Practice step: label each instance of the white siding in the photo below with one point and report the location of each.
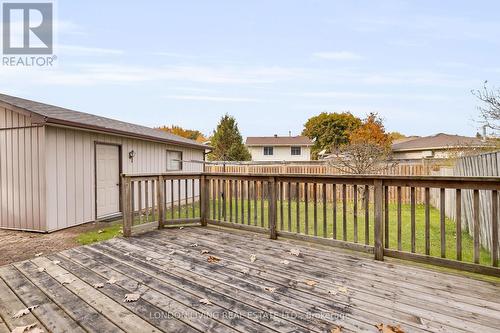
(70, 170)
(280, 153)
(22, 172)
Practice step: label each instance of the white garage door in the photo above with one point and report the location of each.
(107, 180)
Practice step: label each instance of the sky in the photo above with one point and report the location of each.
(270, 63)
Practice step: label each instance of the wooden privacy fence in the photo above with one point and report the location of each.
(316, 208)
(484, 165)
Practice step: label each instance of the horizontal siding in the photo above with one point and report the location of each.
(70, 170)
(22, 173)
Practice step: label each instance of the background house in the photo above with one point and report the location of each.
(279, 148)
(60, 168)
(439, 146)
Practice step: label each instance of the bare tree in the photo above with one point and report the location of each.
(490, 110)
(361, 158)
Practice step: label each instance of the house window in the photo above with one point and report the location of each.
(268, 151)
(295, 151)
(174, 160)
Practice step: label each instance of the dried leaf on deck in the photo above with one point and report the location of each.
(56, 262)
(112, 280)
(98, 285)
(271, 290)
(31, 328)
(126, 253)
(333, 292)
(149, 258)
(194, 245)
(311, 283)
(295, 252)
(205, 301)
(204, 251)
(213, 259)
(131, 297)
(181, 228)
(384, 328)
(100, 231)
(253, 257)
(41, 269)
(23, 312)
(342, 289)
(284, 262)
(171, 252)
(67, 281)
(245, 270)
(337, 329)
(38, 254)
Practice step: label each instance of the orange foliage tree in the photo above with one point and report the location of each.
(185, 133)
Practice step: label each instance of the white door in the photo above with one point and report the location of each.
(107, 180)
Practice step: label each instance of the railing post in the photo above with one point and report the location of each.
(204, 202)
(126, 207)
(161, 201)
(379, 220)
(272, 208)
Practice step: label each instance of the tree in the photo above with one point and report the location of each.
(368, 150)
(330, 130)
(396, 136)
(227, 142)
(490, 110)
(185, 133)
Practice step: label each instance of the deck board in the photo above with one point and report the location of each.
(172, 276)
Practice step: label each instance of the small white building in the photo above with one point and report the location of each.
(60, 168)
(279, 148)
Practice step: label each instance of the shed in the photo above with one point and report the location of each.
(60, 168)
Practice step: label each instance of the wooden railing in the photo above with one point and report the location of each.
(316, 208)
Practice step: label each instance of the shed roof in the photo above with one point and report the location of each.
(61, 116)
(440, 140)
(279, 141)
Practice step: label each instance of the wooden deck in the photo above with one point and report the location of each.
(278, 292)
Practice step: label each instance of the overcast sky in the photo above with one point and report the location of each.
(271, 64)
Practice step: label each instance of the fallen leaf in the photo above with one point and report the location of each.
(28, 328)
(23, 312)
(131, 297)
(205, 301)
(311, 283)
(245, 270)
(98, 285)
(112, 280)
(212, 259)
(100, 231)
(149, 258)
(333, 292)
(271, 290)
(41, 269)
(38, 254)
(204, 251)
(120, 231)
(56, 262)
(126, 253)
(284, 262)
(295, 252)
(384, 328)
(194, 245)
(67, 281)
(342, 290)
(253, 257)
(337, 329)
(181, 228)
(171, 252)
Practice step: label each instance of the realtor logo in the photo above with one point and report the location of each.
(27, 28)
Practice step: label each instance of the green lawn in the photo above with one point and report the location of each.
(435, 239)
(113, 230)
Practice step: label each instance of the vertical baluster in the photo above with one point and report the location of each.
(146, 200)
(494, 228)
(306, 210)
(427, 221)
(272, 207)
(399, 218)
(242, 201)
(297, 199)
(224, 199)
(379, 221)
(458, 221)
(214, 199)
(262, 188)
(355, 212)
(386, 217)
(282, 220)
(153, 201)
(230, 199)
(315, 207)
(139, 192)
(412, 219)
(193, 197)
(325, 217)
(289, 206)
(334, 208)
(255, 216)
(172, 201)
(344, 212)
(476, 229)
(249, 202)
(442, 220)
(127, 203)
(236, 199)
(179, 208)
(186, 197)
(367, 214)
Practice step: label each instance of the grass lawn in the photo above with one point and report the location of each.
(113, 230)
